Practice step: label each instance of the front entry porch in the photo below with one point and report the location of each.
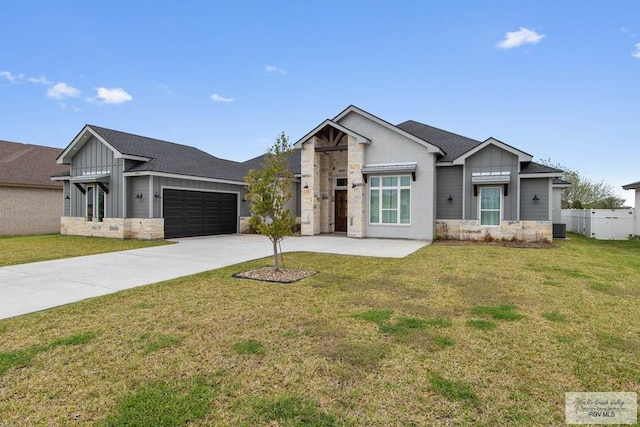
(332, 158)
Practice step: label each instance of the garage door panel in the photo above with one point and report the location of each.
(197, 213)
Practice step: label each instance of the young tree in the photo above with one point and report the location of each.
(584, 193)
(269, 190)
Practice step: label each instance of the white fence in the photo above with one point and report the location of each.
(602, 224)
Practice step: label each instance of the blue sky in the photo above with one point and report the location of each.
(557, 79)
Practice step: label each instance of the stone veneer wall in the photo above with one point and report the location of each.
(117, 228)
(355, 189)
(528, 231)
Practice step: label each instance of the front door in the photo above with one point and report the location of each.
(341, 211)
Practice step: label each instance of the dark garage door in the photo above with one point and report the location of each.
(199, 213)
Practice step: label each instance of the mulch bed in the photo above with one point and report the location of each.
(269, 274)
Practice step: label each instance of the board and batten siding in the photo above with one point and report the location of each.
(95, 158)
(449, 184)
(66, 203)
(492, 159)
(534, 210)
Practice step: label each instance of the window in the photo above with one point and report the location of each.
(96, 202)
(390, 200)
(490, 205)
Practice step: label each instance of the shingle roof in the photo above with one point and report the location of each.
(533, 167)
(169, 157)
(258, 162)
(452, 144)
(28, 164)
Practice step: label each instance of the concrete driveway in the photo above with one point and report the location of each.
(28, 288)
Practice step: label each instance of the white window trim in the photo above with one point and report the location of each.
(501, 192)
(94, 218)
(399, 188)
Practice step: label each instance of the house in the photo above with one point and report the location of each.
(365, 177)
(122, 185)
(355, 174)
(635, 186)
(30, 203)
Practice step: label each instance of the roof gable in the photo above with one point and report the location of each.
(359, 138)
(157, 156)
(352, 109)
(30, 165)
(522, 156)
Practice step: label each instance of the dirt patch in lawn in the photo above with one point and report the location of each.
(269, 274)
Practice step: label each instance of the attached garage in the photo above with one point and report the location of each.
(190, 213)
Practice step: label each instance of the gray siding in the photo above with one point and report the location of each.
(138, 207)
(492, 159)
(66, 203)
(449, 183)
(534, 210)
(93, 158)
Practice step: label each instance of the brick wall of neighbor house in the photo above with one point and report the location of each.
(30, 210)
(117, 228)
(528, 231)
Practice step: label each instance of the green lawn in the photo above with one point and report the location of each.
(24, 249)
(451, 335)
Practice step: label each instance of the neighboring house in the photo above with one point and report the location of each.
(29, 202)
(128, 186)
(368, 178)
(635, 186)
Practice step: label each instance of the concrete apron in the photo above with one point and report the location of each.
(28, 288)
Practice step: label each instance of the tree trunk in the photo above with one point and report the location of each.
(275, 255)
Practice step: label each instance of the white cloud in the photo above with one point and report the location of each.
(114, 95)
(166, 89)
(274, 69)
(10, 76)
(636, 53)
(518, 38)
(62, 90)
(219, 98)
(40, 80)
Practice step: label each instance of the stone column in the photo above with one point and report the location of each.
(309, 218)
(355, 195)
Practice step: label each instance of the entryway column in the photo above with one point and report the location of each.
(310, 174)
(355, 189)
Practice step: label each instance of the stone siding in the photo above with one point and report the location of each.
(116, 228)
(528, 231)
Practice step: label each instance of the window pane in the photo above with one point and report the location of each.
(389, 199)
(374, 214)
(405, 206)
(490, 198)
(390, 181)
(490, 218)
(101, 203)
(375, 182)
(405, 181)
(389, 216)
(89, 203)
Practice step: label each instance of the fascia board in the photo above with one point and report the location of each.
(79, 141)
(175, 175)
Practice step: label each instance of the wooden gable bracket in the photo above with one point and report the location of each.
(104, 187)
(80, 187)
